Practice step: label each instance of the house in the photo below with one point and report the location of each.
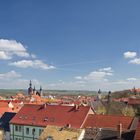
(4, 124)
(9, 106)
(62, 133)
(110, 127)
(31, 120)
(108, 121)
(1, 134)
(135, 102)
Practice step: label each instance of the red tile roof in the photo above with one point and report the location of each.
(37, 115)
(132, 101)
(4, 107)
(137, 134)
(108, 121)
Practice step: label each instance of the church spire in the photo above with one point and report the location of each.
(34, 90)
(41, 91)
(40, 88)
(99, 96)
(99, 91)
(30, 90)
(30, 84)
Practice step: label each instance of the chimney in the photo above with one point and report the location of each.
(119, 129)
(68, 125)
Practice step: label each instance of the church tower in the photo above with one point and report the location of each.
(34, 91)
(109, 97)
(41, 93)
(99, 96)
(30, 90)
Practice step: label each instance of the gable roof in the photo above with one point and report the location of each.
(5, 119)
(108, 121)
(43, 115)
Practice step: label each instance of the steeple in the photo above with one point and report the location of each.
(109, 97)
(30, 90)
(99, 91)
(41, 91)
(134, 90)
(30, 84)
(40, 88)
(99, 95)
(34, 90)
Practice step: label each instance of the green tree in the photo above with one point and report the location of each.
(128, 111)
(101, 110)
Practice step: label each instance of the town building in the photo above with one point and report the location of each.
(31, 120)
(62, 133)
(4, 124)
(33, 91)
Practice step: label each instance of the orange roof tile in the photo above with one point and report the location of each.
(37, 115)
(108, 121)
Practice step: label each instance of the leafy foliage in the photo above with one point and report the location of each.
(128, 111)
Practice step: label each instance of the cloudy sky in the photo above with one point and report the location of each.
(70, 44)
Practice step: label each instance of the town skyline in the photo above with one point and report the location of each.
(70, 45)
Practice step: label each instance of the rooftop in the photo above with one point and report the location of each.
(108, 121)
(43, 115)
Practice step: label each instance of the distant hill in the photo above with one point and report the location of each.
(10, 92)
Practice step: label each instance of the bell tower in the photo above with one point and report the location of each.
(30, 90)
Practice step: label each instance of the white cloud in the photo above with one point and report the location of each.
(135, 61)
(4, 55)
(33, 56)
(114, 85)
(92, 81)
(38, 64)
(8, 48)
(131, 79)
(99, 75)
(14, 80)
(78, 77)
(77, 85)
(9, 75)
(130, 54)
(19, 83)
(108, 69)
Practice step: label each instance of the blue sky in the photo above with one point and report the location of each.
(70, 44)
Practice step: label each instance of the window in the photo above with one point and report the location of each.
(33, 131)
(27, 131)
(18, 128)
